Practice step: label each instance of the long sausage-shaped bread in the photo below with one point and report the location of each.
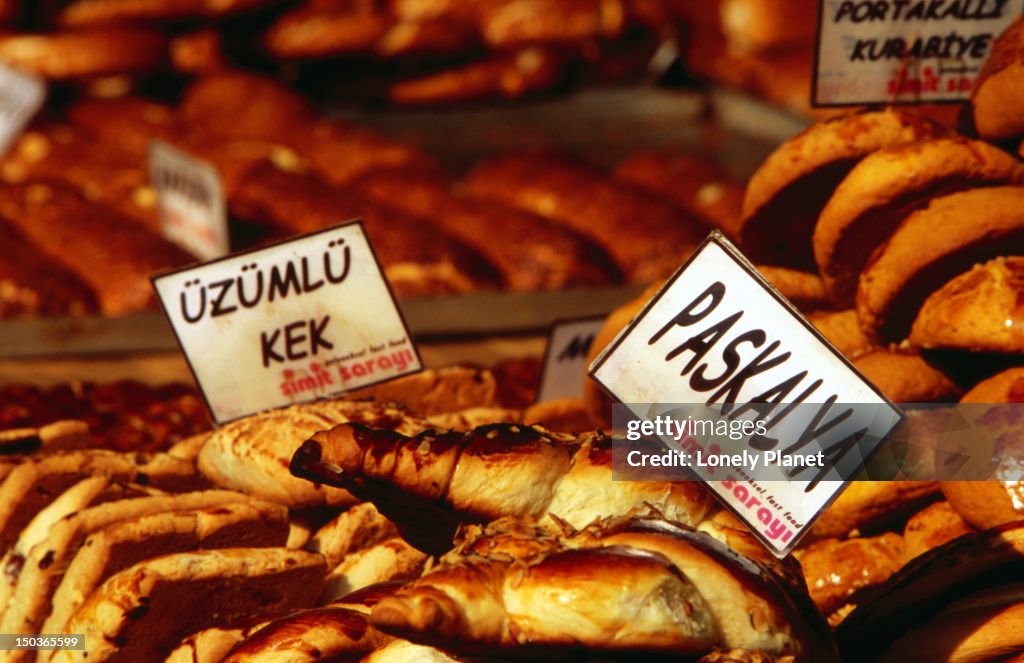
(492, 471)
(648, 238)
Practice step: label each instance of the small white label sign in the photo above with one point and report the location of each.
(21, 97)
(718, 334)
(190, 201)
(306, 318)
(565, 360)
(909, 51)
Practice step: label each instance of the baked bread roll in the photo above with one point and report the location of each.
(997, 97)
(504, 76)
(61, 56)
(805, 290)
(978, 311)
(530, 252)
(95, 12)
(350, 531)
(391, 559)
(661, 236)
(905, 378)
(33, 285)
(136, 615)
(887, 186)
(251, 455)
(866, 506)
(253, 524)
(416, 259)
(840, 573)
(842, 330)
(787, 193)
(112, 254)
(697, 185)
(637, 585)
(328, 633)
(931, 247)
(467, 476)
(931, 527)
(36, 482)
(986, 504)
(946, 603)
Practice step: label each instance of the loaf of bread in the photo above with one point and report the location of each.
(137, 615)
(112, 254)
(932, 246)
(660, 236)
(530, 251)
(787, 193)
(978, 311)
(885, 187)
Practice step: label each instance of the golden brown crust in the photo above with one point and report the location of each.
(87, 53)
(804, 289)
(385, 561)
(981, 310)
(787, 193)
(112, 254)
(137, 614)
(905, 378)
(867, 505)
(697, 185)
(562, 415)
(530, 252)
(887, 186)
(985, 504)
(504, 76)
(998, 93)
(842, 329)
(357, 528)
(931, 247)
(310, 635)
(931, 527)
(836, 571)
(1005, 387)
(661, 236)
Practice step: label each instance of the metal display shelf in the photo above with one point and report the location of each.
(429, 318)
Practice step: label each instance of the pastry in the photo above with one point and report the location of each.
(904, 377)
(1006, 387)
(530, 252)
(866, 506)
(931, 527)
(561, 415)
(252, 524)
(931, 247)
(447, 477)
(839, 573)
(136, 615)
(252, 454)
(699, 186)
(77, 54)
(384, 561)
(804, 289)
(95, 12)
(787, 193)
(403, 651)
(112, 254)
(211, 645)
(504, 76)
(128, 123)
(435, 390)
(470, 418)
(660, 235)
(355, 529)
(842, 330)
(997, 97)
(887, 186)
(981, 310)
(522, 22)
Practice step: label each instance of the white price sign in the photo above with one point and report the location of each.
(190, 201)
(565, 359)
(720, 336)
(904, 51)
(21, 97)
(310, 317)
